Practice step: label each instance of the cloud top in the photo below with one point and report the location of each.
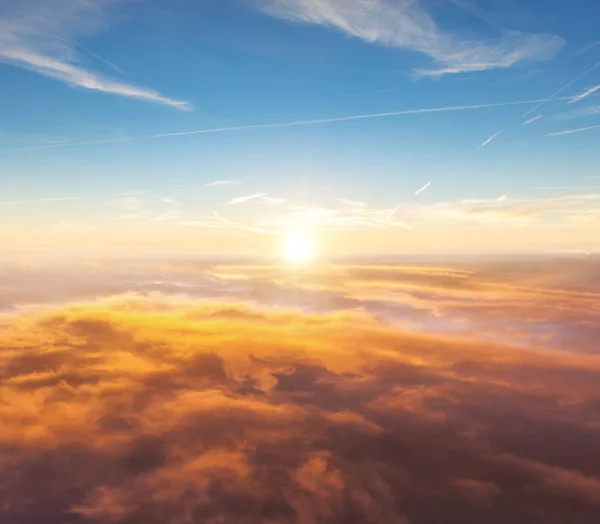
(163, 410)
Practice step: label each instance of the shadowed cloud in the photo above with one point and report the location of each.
(159, 410)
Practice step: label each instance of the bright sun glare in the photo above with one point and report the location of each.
(299, 247)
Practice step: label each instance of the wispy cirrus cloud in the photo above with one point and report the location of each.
(352, 203)
(501, 211)
(408, 24)
(217, 183)
(346, 218)
(40, 35)
(257, 197)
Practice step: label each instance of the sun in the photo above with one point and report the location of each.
(299, 247)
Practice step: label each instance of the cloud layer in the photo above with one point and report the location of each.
(407, 24)
(538, 302)
(156, 410)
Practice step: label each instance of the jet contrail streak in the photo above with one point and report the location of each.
(298, 123)
(490, 139)
(572, 131)
(552, 97)
(585, 94)
(426, 186)
(532, 120)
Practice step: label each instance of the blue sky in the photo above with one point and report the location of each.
(88, 85)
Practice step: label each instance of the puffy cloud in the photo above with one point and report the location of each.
(157, 410)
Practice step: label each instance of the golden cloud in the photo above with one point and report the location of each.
(155, 410)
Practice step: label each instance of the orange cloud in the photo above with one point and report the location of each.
(159, 410)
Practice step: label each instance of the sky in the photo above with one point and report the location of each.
(373, 126)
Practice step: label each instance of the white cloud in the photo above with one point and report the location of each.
(408, 25)
(506, 212)
(336, 219)
(258, 197)
(352, 203)
(39, 35)
(222, 183)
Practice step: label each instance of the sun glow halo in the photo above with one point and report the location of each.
(299, 247)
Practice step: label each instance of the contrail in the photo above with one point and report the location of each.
(417, 193)
(393, 212)
(426, 186)
(490, 139)
(572, 131)
(298, 123)
(100, 59)
(69, 144)
(532, 120)
(585, 94)
(552, 97)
